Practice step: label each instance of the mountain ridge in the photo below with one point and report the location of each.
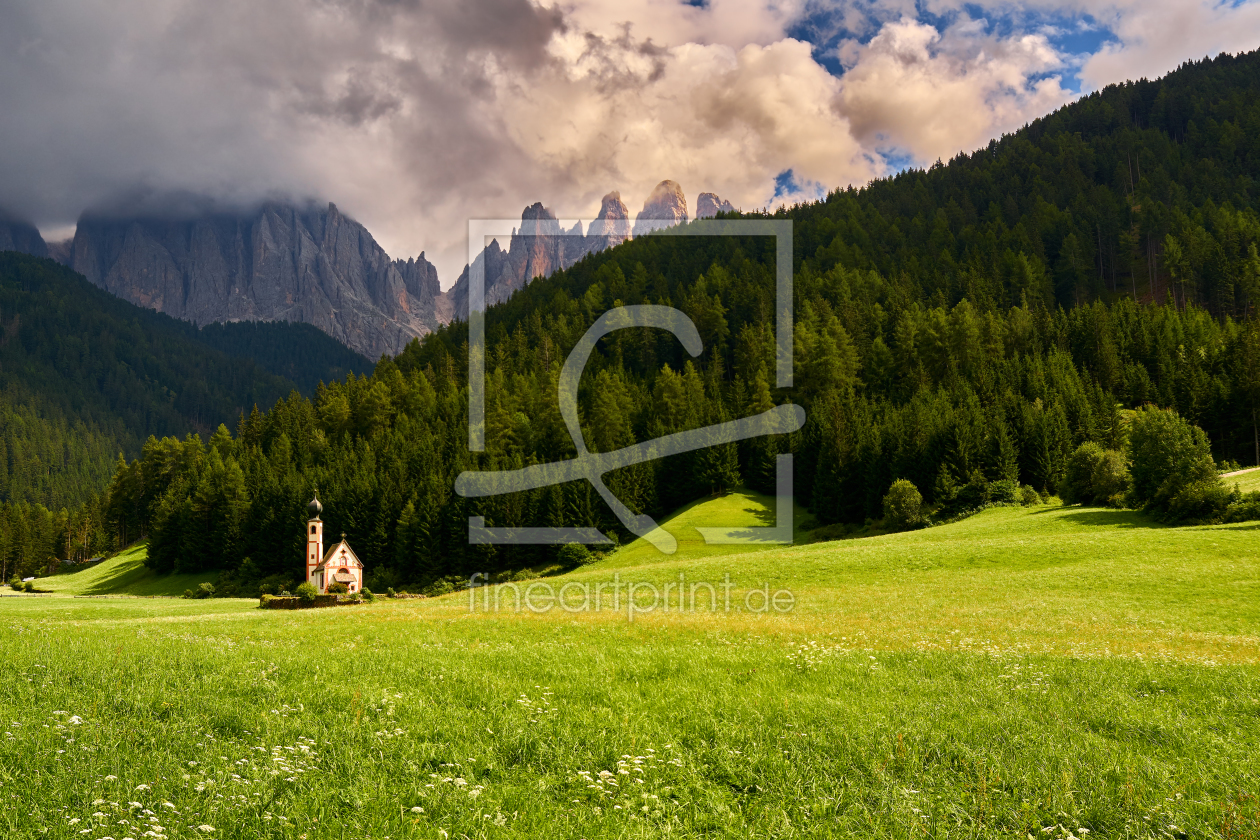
(274, 263)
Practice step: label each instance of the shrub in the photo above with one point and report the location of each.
(1028, 495)
(1095, 476)
(441, 586)
(1004, 492)
(1111, 479)
(205, 590)
(286, 594)
(444, 586)
(903, 505)
(1245, 509)
(1202, 502)
(572, 555)
(974, 494)
(266, 599)
(1077, 487)
(15, 583)
(188, 593)
(1168, 456)
(367, 594)
(337, 588)
(307, 591)
(28, 586)
(273, 584)
(391, 593)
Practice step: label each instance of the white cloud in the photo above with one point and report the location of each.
(415, 116)
(935, 94)
(1154, 36)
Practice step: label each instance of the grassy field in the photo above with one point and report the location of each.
(122, 574)
(1048, 672)
(1247, 480)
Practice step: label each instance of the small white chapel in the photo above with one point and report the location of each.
(338, 565)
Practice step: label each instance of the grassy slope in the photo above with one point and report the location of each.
(734, 510)
(1061, 579)
(1247, 480)
(122, 574)
(1025, 671)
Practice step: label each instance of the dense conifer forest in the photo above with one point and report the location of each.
(967, 328)
(85, 377)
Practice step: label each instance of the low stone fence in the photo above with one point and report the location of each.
(293, 602)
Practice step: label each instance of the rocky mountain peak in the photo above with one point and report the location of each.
(612, 226)
(666, 206)
(709, 205)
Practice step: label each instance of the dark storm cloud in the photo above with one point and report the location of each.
(103, 102)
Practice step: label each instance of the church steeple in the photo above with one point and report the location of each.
(314, 536)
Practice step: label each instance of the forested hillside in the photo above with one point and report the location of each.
(300, 353)
(967, 325)
(85, 376)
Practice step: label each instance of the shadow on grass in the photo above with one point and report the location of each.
(120, 580)
(765, 516)
(125, 574)
(1111, 518)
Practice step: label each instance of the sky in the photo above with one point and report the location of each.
(416, 115)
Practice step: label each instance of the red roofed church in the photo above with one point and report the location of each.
(338, 565)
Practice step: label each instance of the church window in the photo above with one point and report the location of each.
(312, 529)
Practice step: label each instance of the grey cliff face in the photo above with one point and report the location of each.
(540, 248)
(612, 227)
(709, 205)
(666, 206)
(19, 235)
(492, 260)
(276, 263)
(61, 251)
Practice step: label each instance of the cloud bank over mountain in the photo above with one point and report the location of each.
(415, 116)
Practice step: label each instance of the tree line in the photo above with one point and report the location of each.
(981, 323)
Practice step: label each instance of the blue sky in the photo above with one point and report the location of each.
(1077, 35)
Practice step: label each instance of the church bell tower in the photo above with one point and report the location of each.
(314, 537)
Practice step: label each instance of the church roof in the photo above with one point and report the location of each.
(340, 554)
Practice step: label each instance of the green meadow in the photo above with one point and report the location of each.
(1248, 481)
(122, 574)
(1045, 672)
